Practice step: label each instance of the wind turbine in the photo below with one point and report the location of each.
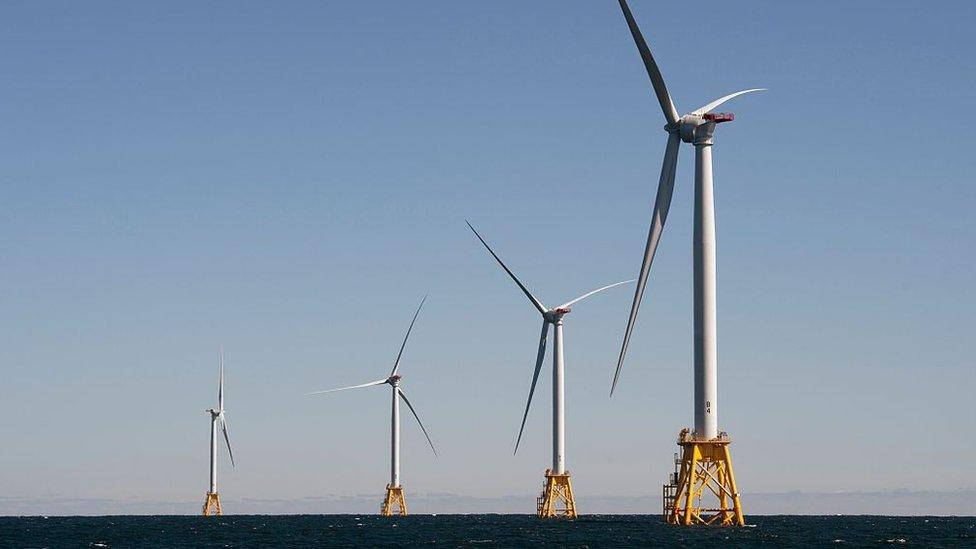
(705, 458)
(394, 491)
(557, 495)
(212, 505)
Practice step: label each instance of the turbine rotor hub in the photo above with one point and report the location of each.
(394, 380)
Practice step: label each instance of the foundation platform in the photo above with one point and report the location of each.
(394, 503)
(702, 489)
(556, 499)
(212, 505)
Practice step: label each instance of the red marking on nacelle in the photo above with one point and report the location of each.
(562, 310)
(719, 117)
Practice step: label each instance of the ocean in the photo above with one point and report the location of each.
(481, 531)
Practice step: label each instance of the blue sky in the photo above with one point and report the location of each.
(288, 181)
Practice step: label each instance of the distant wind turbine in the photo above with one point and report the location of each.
(394, 491)
(557, 495)
(217, 416)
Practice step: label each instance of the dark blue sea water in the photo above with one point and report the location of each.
(481, 531)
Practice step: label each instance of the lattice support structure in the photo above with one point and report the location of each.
(212, 505)
(557, 498)
(394, 503)
(706, 492)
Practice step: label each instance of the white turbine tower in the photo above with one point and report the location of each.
(217, 417)
(705, 455)
(394, 491)
(557, 495)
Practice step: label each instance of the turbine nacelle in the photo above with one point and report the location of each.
(555, 314)
(698, 128)
(394, 380)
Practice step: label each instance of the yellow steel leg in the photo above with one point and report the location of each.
(674, 517)
(737, 505)
(689, 497)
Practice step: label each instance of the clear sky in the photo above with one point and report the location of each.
(287, 181)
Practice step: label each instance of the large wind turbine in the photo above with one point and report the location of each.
(217, 418)
(697, 128)
(394, 491)
(558, 488)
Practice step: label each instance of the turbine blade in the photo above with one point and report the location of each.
(396, 365)
(538, 304)
(370, 384)
(220, 384)
(709, 107)
(535, 378)
(661, 205)
(660, 89)
(223, 425)
(588, 294)
(424, 429)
